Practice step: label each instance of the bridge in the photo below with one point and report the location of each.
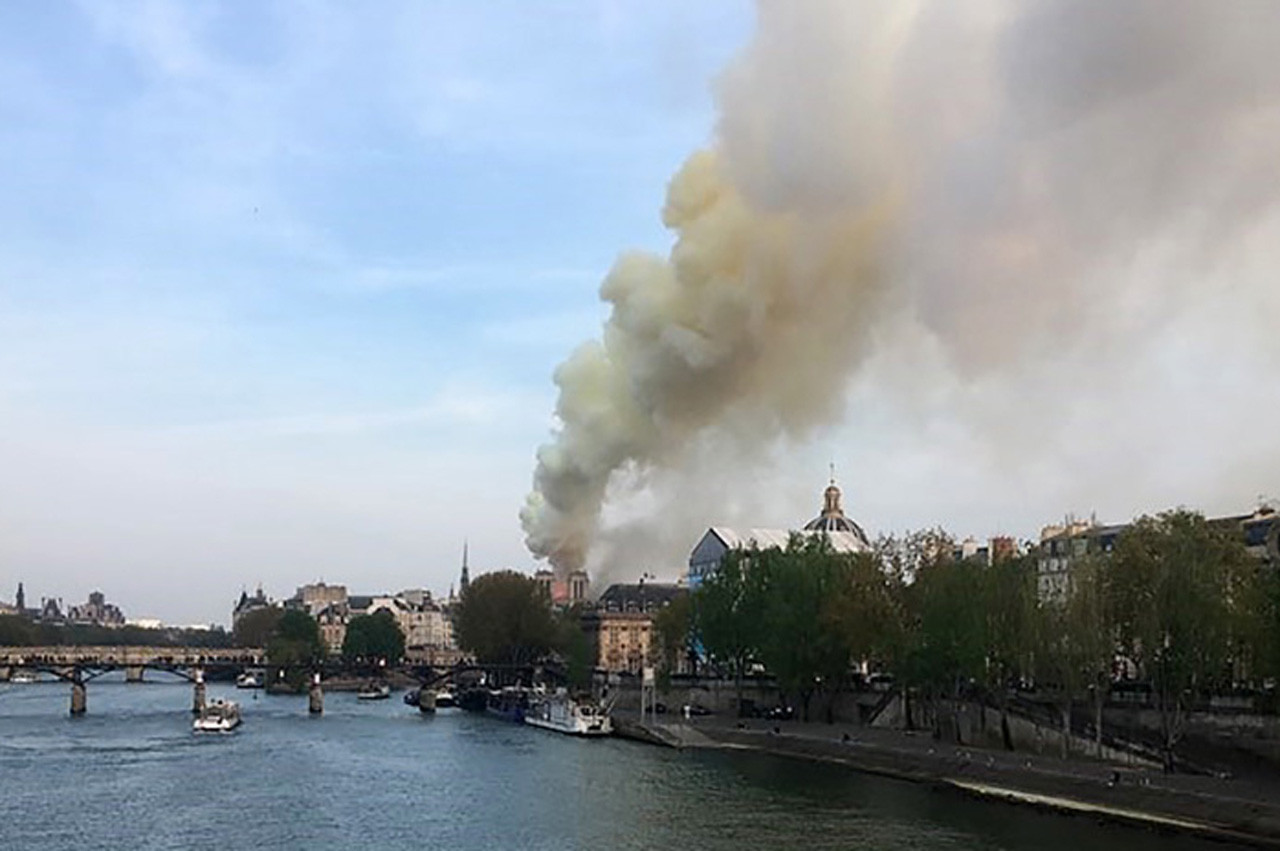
(116, 657)
(80, 665)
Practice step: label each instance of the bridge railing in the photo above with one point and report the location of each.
(126, 655)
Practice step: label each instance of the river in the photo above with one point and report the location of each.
(132, 775)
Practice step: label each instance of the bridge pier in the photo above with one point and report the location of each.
(315, 696)
(133, 674)
(198, 695)
(79, 697)
(5, 673)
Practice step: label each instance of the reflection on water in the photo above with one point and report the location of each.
(132, 775)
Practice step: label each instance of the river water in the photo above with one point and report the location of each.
(132, 775)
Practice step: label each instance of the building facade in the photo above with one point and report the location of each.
(564, 592)
(1063, 545)
(619, 626)
(318, 596)
(332, 621)
(96, 611)
(424, 622)
(247, 604)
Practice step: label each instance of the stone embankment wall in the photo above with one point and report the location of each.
(978, 726)
(971, 724)
(721, 697)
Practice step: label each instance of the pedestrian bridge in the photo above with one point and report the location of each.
(113, 658)
(80, 665)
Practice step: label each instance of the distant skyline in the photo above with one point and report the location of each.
(283, 286)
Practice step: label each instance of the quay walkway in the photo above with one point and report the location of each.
(1234, 810)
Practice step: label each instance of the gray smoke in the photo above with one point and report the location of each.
(1011, 180)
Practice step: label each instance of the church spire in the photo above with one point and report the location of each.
(21, 600)
(466, 571)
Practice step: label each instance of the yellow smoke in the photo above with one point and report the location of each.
(754, 313)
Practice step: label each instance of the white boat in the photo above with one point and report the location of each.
(250, 679)
(564, 714)
(374, 691)
(445, 698)
(219, 716)
(24, 677)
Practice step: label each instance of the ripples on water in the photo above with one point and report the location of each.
(132, 775)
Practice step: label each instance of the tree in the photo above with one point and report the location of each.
(16, 631)
(505, 618)
(1007, 601)
(671, 631)
(727, 608)
(1076, 641)
(574, 646)
(864, 607)
(1185, 592)
(950, 650)
(1266, 649)
(376, 636)
(903, 560)
(255, 628)
(296, 640)
(1090, 621)
(800, 641)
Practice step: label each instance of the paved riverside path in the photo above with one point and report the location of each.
(1245, 811)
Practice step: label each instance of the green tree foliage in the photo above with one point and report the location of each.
(255, 628)
(799, 640)
(505, 618)
(947, 651)
(374, 637)
(865, 608)
(1076, 642)
(671, 633)
(574, 646)
(806, 612)
(1267, 637)
(16, 631)
(1186, 596)
(1179, 596)
(901, 559)
(966, 628)
(727, 611)
(1007, 601)
(295, 640)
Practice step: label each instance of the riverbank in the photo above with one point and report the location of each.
(1225, 809)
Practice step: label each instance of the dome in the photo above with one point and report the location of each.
(832, 518)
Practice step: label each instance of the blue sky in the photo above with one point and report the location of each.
(282, 285)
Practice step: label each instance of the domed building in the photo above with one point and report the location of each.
(844, 535)
(832, 518)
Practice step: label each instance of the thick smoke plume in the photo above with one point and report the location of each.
(1003, 176)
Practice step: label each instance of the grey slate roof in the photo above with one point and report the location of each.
(638, 597)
